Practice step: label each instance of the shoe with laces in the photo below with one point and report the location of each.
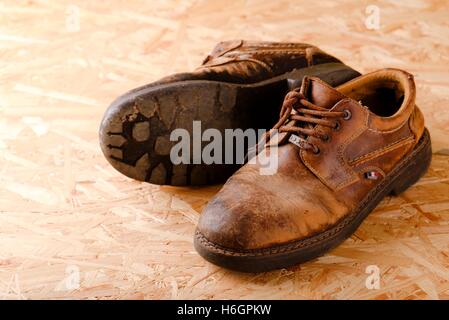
(238, 80)
(339, 153)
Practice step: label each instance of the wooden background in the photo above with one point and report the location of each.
(73, 227)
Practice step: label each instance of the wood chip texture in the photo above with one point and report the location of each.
(73, 227)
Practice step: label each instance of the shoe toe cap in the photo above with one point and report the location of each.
(245, 221)
(245, 215)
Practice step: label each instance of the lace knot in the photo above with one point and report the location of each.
(299, 117)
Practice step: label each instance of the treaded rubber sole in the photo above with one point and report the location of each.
(135, 130)
(405, 174)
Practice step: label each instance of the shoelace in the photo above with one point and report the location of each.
(306, 114)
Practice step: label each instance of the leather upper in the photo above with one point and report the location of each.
(242, 61)
(311, 192)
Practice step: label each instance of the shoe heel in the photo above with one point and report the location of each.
(416, 168)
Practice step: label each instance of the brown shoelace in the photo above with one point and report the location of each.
(306, 115)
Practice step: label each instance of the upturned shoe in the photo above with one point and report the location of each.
(241, 84)
(340, 152)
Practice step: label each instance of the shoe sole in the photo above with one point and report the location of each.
(405, 174)
(135, 130)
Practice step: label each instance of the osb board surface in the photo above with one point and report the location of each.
(63, 209)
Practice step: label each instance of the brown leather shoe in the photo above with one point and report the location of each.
(241, 84)
(340, 152)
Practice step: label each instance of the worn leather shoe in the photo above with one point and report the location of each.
(241, 84)
(340, 152)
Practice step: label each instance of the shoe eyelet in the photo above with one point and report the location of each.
(316, 150)
(348, 114)
(326, 138)
(337, 126)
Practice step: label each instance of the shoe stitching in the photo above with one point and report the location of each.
(379, 152)
(319, 237)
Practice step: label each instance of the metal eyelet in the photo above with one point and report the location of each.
(316, 150)
(326, 138)
(348, 114)
(337, 126)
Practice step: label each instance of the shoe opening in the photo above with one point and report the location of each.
(383, 93)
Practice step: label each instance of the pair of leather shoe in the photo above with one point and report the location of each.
(341, 142)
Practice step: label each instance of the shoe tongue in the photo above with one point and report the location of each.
(320, 93)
